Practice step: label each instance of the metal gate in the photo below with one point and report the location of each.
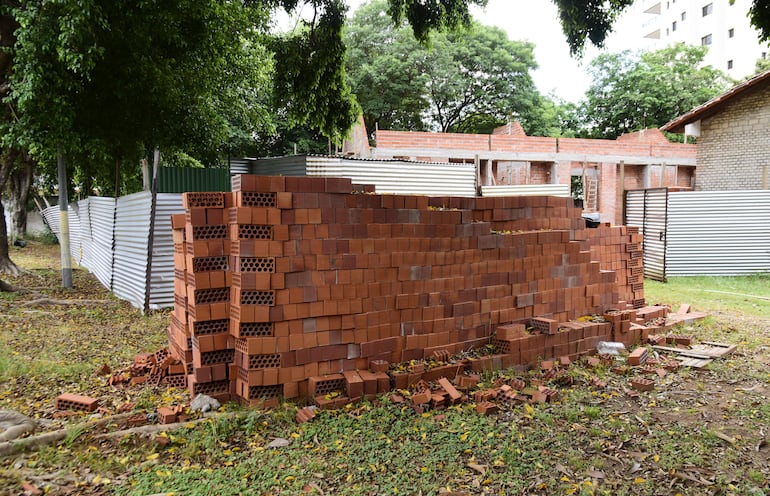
(648, 209)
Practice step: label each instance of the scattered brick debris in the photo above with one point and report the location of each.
(76, 402)
(104, 370)
(486, 408)
(642, 384)
(305, 414)
(638, 356)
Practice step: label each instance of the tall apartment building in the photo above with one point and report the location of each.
(733, 43)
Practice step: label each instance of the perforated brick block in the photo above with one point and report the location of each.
(76, 402)
(203, 199)
(210, 327)
(255, 231)
(543, 325)
(216, 356)
(212, 295)
(176, 381)
(257, 199)
(264, 392)
(256, 362)
(257, 298)
(323, 385)
(209, 264)
(252, 329)
(205, 232)
(257, 264)
(209, 388)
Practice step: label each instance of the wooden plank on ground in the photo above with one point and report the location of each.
(682, 352)
(714, 349)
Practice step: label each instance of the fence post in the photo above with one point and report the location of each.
(64, 226)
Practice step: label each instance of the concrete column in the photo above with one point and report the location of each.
(608, 192)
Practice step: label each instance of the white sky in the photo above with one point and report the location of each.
(537, 21)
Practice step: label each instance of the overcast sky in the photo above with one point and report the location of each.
(537, 21)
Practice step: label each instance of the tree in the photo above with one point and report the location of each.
(632, 92)
(468, 80)
(763, 64)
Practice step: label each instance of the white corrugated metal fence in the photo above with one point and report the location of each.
(690, 233)
(111, 240)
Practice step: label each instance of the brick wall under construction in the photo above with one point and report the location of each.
(295, 286)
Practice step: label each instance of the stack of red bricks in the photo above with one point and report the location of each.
(619, 249)
(296, 286)
(199, 333)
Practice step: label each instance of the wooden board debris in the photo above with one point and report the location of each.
(699, 355)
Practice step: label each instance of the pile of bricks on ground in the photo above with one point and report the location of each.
(641, 368)
(305, 286)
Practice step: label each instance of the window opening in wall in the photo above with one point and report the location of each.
(730, 33)
(729, 64)
(684, 15)
(706, 40)
(764, 55)
(707, 9)
(673, 26)
(576, 190)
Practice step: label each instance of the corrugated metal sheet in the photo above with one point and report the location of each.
(131, 239)
(647, 209)
(240, 166)
(390, 176)
(526, 190)
(294, 165)
(98, 252)
(181, 179)
(718, 233)
(634, 209)
(162, 274)
(655, 234)
(80, 230)
(51, 216)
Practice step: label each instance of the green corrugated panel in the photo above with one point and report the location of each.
(181, 179)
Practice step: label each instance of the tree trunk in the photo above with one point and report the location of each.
(19, 185)
(7, 158)
(117, 177)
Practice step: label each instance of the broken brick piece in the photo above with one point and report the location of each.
(466, 382)
(454, 395)
(76, 402)
(104, 370)
(642, 384)
(638, 356)
(378, 366)
(305, 415)
(486, 408)
(421, 398)
(167, 415)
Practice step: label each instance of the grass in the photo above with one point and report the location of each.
(591, 441)
(744, 295)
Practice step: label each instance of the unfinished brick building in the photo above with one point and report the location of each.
(733, 132)
(508, 156)
(309, 286)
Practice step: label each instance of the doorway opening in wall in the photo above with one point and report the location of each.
(576, 190)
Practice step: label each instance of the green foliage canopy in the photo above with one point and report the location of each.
(632, 92)
(468, 80)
